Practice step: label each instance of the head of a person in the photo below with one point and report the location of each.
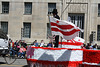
(50, 42)
(35, 41)
(95, 44)
(87, 44)
(16, 40)
(84, 45)
(11, 41)
(41, 41)
(22, 46)
(20, 41)
(23, 41)
(54, 11)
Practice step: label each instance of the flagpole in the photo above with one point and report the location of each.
(50, 30)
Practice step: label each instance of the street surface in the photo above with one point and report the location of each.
(17, 63)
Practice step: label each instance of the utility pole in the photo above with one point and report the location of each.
(61, 8)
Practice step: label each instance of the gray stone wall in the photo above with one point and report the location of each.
(39, 17)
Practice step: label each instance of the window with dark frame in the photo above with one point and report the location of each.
(4, 27)
(5, 7)
(78, 20)
(98, 10)
(27, 30)
(98, 33)
(51, 6)
(28, 8)
(48, 30)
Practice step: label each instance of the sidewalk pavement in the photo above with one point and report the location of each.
(17, 63)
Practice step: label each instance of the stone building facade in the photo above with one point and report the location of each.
(28, 19)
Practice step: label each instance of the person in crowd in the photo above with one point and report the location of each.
(22, 52)
(88, 46)
(32, 44)
(95, 47)
(24, 43)
(98, 47)
(20, 43)
(18, 47)
(15, 50)
(91, 46)
(11, 46)
(42, 43)
(15, 47)
(84, 46)
(16, 43)
(35, 43)
(49, 44)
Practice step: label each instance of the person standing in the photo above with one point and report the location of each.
(54, 12)
(57, 36)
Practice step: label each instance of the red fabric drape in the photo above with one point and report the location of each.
(54, 63)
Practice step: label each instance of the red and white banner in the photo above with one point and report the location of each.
(77, 42)
(65, 29)
(62, 57)
(91, 58)
(54, 56)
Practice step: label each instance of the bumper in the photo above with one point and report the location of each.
(3, 51)
(5, 48)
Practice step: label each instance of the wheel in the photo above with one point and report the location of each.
(9, 57)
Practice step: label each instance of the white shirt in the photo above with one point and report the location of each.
(41, 44)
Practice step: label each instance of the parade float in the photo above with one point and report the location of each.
(69, 53)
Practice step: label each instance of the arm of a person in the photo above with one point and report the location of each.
(24, 49)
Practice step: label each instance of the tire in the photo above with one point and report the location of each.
(10, 59)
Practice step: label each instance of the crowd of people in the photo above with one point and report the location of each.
(89, 46)
(42, 44)
(17, 48)
(50, 44)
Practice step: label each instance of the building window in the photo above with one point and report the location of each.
(28, 8)
(51, 6)
(48, 30)
(78, 20)
(4, 27)
(98, 33)
(27, 30)
(99, 10)
(5, 7)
